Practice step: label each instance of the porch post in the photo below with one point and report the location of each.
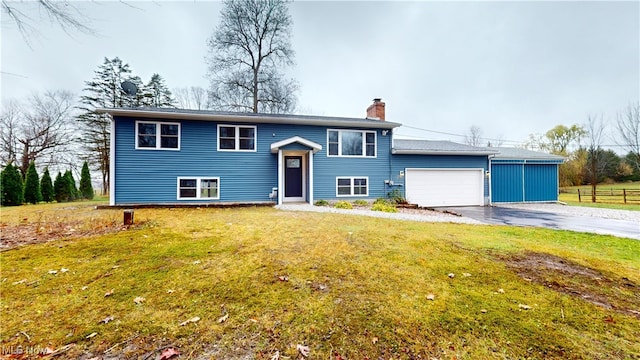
(310, 197)
(280, 179)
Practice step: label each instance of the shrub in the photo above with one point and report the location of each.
(382, 201)
(361, 202)
(61, 188)
(321, 203)
(11, 186)
(343, 205)
(384, 207)
(396, 196)
(86, 189)
(46, 186)
(73, 190)
(32, 192)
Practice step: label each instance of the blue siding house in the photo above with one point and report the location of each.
(173, 156)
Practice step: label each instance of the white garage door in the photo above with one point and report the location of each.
(445, 187)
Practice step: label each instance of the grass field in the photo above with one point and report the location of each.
(257, 282)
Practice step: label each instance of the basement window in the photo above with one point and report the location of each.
(198, 188)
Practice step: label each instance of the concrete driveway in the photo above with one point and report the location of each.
(524, 217)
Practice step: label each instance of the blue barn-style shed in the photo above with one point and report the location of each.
(519, 175)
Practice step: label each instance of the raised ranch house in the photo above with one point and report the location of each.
(173, 156)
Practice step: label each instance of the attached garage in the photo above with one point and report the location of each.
(519, 175)
(441, 173)
(445, 187)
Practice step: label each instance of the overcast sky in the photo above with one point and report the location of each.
(510, 68)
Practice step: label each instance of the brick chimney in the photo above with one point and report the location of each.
(376, 110)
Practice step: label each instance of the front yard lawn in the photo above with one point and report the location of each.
(258, 282)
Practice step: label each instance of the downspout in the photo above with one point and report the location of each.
(386, 186)
(112, 163)
(489, 178)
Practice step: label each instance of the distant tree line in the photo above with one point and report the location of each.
(16, 189)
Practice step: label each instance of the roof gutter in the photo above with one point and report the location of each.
(443, 152)
(262, 118)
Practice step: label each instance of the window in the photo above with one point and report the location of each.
(352, 186)
(236, 138)
(157, 135)
(351, 143)
(198, 188)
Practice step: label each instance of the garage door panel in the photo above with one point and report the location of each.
(445, 187)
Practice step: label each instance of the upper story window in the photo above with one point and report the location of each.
(351, 143)
(236, 138)
(157, 135)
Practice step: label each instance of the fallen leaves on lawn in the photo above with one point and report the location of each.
(451, 275)
(431, 297)
(223, 319)
(108, 293)
(283, 278)
(93, 334)
(169, 353)
(303, 350)
(374, 340)
(53, 272)
(107, 319)
(466, 274)
(139, 300)
(501, 291)
(276, 356)
(524, 307)
(194, 319)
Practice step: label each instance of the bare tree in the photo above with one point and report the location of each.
(474, 136)
(192, 97)
(628, 126)
(246, 55)
(40, 131)
(596, 157)
(64, 13)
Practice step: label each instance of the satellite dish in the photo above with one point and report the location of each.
(129, 88)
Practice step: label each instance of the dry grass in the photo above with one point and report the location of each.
(350, 286)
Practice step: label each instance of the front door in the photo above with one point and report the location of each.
(293, 177)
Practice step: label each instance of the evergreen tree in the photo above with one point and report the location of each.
(46, 186)
(11, 186)
(86, 189)
(71, 183)
(61, 188)
(32, 192)
(103, 91)
(157, 93)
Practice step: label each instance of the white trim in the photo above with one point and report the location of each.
(204, 115)
(364, 143)
(237, 138)
(158, 135)
(352, 185)
(112, 163)
(296, 139)
(198, 180)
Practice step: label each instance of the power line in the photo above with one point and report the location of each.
(463, 136)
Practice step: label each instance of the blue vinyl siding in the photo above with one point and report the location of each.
(403, 162)
(150, 176)
(521, 181)
(540, 182)
(506, 183)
